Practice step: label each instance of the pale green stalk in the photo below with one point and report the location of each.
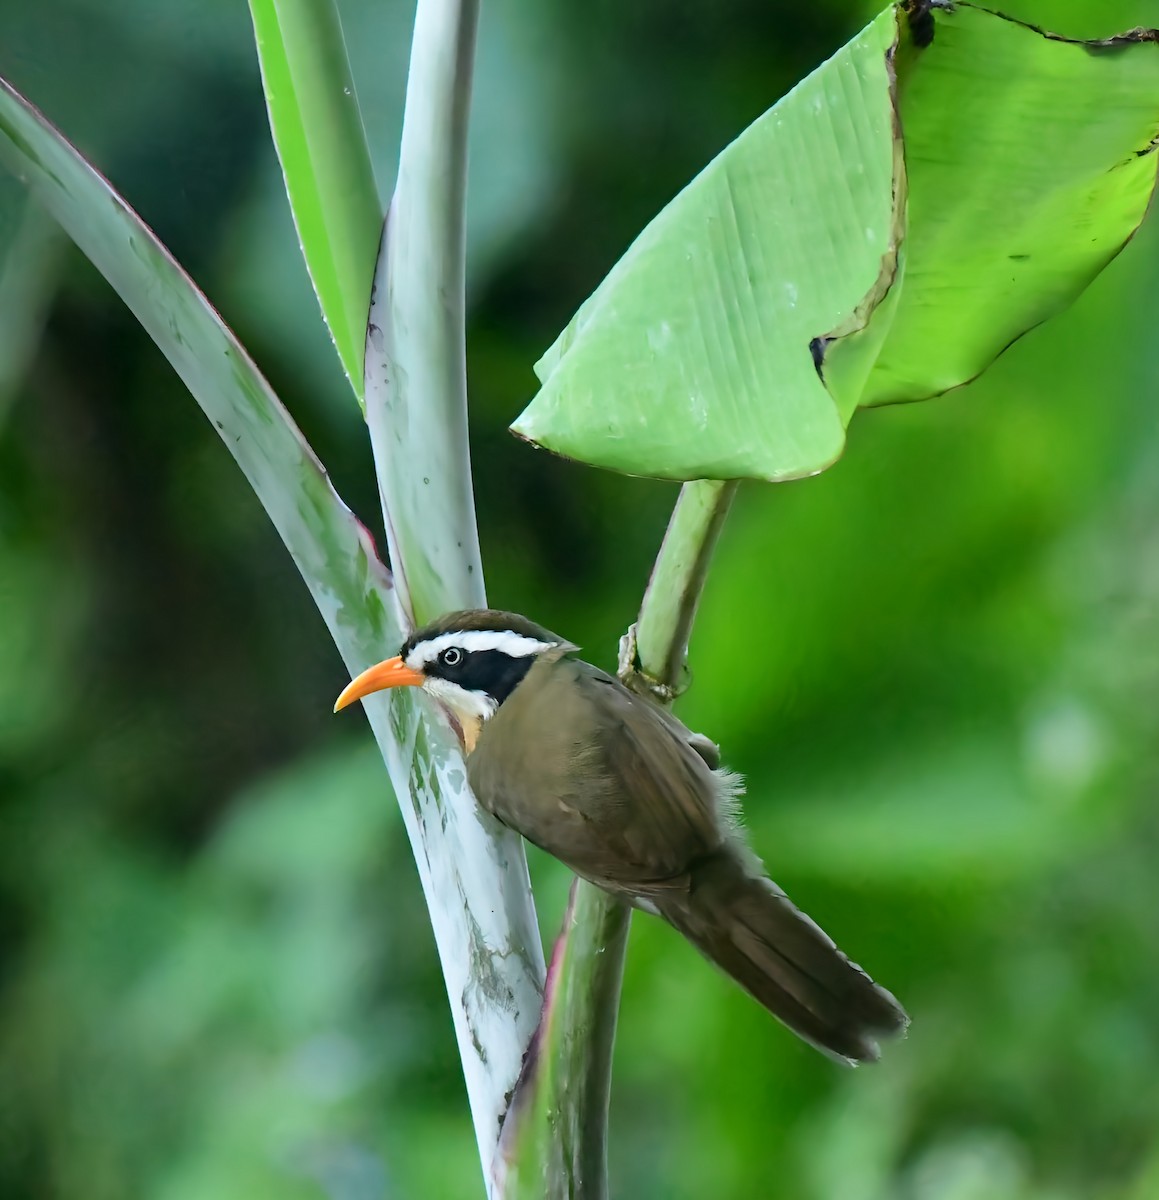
(416, 371)
(411, 370)
(416, 408)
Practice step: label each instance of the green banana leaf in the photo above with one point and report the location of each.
(931, 192)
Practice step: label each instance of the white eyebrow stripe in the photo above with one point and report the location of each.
(515, 645)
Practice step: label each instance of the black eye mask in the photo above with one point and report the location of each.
(489, 671)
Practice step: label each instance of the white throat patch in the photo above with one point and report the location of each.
(515, 645)
(467, 706)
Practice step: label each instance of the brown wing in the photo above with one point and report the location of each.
(704, 746)
(598, 777)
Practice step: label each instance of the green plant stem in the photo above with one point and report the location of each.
(673, 593)
(600, 923)
(555, 1142)
(549, 1147)
(321, 143)
(416, 371)
(416, 410)
(589, 988)
(590, 1003)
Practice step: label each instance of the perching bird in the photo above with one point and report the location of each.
(621, 792)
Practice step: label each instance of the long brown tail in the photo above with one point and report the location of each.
(751, 930)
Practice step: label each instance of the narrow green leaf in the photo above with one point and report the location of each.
(1031, 162)
(473, 871)
(318, 131)
(691, 360)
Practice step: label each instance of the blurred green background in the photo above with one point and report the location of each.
(937, 664)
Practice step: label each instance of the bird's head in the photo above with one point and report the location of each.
(471, 661)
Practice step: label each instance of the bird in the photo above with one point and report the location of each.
(620, 791)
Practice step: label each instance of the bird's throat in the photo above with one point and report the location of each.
(469, 709)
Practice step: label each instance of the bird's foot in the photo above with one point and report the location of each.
(636, 679)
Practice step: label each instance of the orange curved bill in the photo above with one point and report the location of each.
(392, 673)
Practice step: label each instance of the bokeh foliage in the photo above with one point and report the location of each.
(935, 663)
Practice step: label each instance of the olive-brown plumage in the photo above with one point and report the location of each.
(622, 793)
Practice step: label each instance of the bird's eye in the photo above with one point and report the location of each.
(451, 657)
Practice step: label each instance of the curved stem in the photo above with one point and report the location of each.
(591, 974)
(555, 1138)
(673, 593)
(551, 1146)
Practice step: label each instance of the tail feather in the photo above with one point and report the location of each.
(747, 926)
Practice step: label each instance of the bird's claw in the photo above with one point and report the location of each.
(636, 679)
